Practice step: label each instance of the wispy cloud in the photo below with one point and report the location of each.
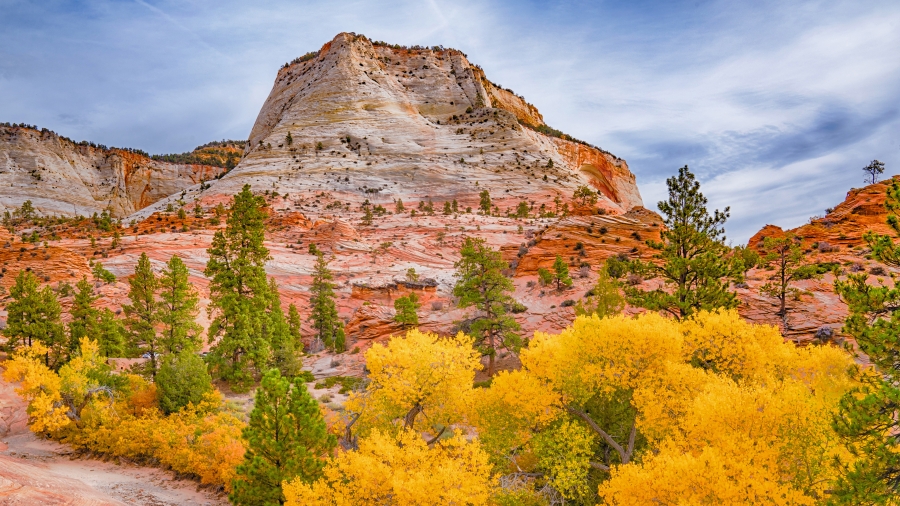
(775, 105)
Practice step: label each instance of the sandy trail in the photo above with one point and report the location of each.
(35, 471)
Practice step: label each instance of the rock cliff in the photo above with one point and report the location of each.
(65, 178)
(372, 121)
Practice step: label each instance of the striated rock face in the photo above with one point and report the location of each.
(833, 240)
(61, 177)
(373, 122)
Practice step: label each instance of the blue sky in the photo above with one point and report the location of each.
(775, 105)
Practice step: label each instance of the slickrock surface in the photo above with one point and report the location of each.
(63, 178)
(377, 123)
(833, 238)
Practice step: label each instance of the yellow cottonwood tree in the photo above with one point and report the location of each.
(401, 470)
(40, 388)
(418, 374)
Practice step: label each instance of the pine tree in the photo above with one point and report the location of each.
(868, 415)
(481, 284)
(178, 308)
(398, 207)
(278, 333)
(182, 379)
(143, 313)
(286, 439)
(84, 316)
(324, 315)
(110, 334)
(561, 273)
(294, 323)
(239, 292)
(407, 310)
(694, 261)
(485, 201)
(785, 254)
(33, 315)
(874, 169)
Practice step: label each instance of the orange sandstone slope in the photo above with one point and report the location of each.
(65, 178)
(835, 238)
(366, 121)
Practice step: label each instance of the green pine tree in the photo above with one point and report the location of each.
(142, 315)
(294, 323)
(239, 292)
(286, 439)
(178, 308)
(604, 299)
(284, 346)
(785, 255)
(110, 334)
(182, 379)
(407, 310)
(694, 263)
(84, 316)
(329, 328)
(33, 315)
(868, 414)
(485, 201)
(561, 273)
(482, 285)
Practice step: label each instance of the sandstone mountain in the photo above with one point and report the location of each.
(366, 120)
(65, 178)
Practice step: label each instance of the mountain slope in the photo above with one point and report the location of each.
(376, 122)
(66, 178)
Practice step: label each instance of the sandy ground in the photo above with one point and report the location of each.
(35, 471)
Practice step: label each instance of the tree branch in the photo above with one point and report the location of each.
(606, 437)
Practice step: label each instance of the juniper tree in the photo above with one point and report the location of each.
(286, 439)
(178, 308)
(142, 314)
(33, 315)
(239, 292)
(693, 259)
(329, 329)
(868, 414)
(585, 196)
(482, 285)
(407, 310)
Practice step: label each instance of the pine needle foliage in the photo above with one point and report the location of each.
(694, 264)
(329, 328)
(286, 440)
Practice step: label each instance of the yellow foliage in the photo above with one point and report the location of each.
(507, 413)
(420, 371)
(708, 477)
(602, 355)
(723, 342)
(400, 471)
(40, 388)
(203, 440)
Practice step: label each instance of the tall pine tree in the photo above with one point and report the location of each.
(329, 328)
(239, 292)
(178, 308)
(286, 438)
(294, 323)
(284, 347)
(141, 316)
(481, 284)
(694, 264)
(84, 315)
(868, 416)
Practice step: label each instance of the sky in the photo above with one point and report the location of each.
(776, 106)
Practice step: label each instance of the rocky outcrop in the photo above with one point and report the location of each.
(366, 122)
(64, 178)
